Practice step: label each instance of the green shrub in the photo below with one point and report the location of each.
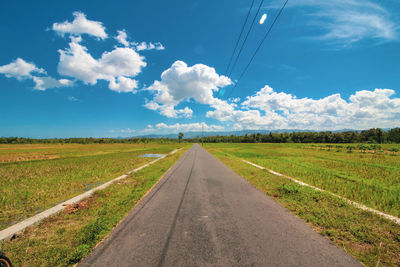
(79, 253)
(350, 149)
(89, 234)
(289, 189)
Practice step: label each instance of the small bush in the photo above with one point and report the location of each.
(350, 149)
(79, 253)
(363, 147)
(289, 189)
(89, 234)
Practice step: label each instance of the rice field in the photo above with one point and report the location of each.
(67, 237)
(36, 177)
(368, 177)
(370, 238)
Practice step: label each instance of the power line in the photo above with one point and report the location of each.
(245, 39)
(258, 48)
(239, 37)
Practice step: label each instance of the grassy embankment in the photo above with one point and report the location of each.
(372, 179)
(66, 238)
(36, 177)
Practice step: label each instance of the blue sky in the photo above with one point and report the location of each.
(95, 68)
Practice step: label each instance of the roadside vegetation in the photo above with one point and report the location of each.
(372, 179)
(39, 176)
(369, 178)
(66, 238)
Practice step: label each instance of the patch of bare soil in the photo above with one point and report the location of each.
(72, 208)
(361, 246)
(27, 157)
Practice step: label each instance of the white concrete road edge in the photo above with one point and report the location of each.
(358, 205)
(16, 228)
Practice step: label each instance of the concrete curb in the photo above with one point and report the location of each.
(355, 204)
(18, 227)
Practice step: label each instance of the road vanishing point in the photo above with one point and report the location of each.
(201, 213)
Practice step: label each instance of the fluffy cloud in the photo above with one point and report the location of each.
(267, 99)
(223, 111)
(169, 110)
(364, 109)
(122, 38)
(20, 69)
(268, 109)
(117, 66)
(43, 83)
(148, 46)
(81, 25)
(181, 83)
(189, 127)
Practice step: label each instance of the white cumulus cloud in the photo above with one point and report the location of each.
(20, 69)
(181, 83)
(122, 38)
(268, 109)
(163, 128)
(81, 25)
(43, 83)
(148, 46)
(117, 66)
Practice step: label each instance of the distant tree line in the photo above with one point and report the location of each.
(375, 135)
(89, 140)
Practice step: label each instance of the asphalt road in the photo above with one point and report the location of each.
(204, 214)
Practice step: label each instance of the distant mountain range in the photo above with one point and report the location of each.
(238, 133)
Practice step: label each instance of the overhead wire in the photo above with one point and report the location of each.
(245, 39)
(239, 37)
(258, 48)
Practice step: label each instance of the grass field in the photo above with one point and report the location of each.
(66, 238)
(372, 179)
(369, 178)
(36, 177)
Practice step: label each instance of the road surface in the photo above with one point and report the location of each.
(204, 214)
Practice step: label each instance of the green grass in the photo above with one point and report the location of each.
(372, 179)
(30, 183)
(368, 237)
(64, 239)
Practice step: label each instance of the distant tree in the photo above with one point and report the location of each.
(379, 135)
(393, 136)
(180, 136)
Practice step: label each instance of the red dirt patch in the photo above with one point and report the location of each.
(72, 208)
